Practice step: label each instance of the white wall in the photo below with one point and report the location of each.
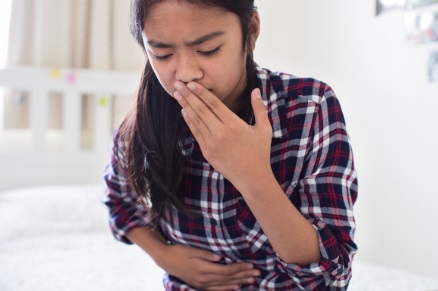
(390, 111)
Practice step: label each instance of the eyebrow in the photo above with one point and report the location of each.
(198, 41)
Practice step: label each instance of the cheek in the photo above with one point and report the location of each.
(231, 73)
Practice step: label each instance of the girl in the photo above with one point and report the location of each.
(231, 177)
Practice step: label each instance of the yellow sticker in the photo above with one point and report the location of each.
(56, 73)
(103, 101)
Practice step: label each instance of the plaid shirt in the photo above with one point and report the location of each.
(312, 161)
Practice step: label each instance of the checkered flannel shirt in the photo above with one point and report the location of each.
(312, 161)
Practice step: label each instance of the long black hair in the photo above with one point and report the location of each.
(152, 127)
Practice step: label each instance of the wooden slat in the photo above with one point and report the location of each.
(38, 118)
(72, 121)
(102, 122)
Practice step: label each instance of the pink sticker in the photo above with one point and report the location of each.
(71, 78)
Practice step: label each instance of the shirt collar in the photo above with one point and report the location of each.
(274, 98)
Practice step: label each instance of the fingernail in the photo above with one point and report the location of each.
(250, 266)
(178, 85)
(183, 112)
(258, 93)
(191, 86)
(177, 95)
(215, 257)
(256, 273)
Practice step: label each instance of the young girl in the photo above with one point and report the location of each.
(230, 176)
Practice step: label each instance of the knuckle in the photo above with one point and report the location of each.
(200, 283)
(192, 118)
(233, 127)
(209, 154)
(249, 274)
(220, 138)
(198, 268)
(229, 272)
(197, 285)
(213, 103)
(195, 133)
(200, 109)
(188, 120)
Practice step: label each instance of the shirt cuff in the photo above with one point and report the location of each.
(120, 229)
(330, 265)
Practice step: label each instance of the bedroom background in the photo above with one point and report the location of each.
(390, 109)
(381, 79)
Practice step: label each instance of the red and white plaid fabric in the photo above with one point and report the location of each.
(312, 160)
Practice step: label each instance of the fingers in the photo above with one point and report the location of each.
(198, 128)
(237, 269)
(205, 272)
(205, 255)
(246, 277)
(196, 107)
(222, 288)
(212, 101)
(259, 108)
(229, 277)
(219, 274)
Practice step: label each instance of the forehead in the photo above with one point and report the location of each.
(170, 19)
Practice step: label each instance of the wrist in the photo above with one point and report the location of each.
(149, 240)
(161, 255)
(260, 183)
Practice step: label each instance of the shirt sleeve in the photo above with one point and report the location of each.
(126, 211)
(327, 193)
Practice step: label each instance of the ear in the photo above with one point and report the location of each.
(254, 30)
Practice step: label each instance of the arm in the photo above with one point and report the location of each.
(226, 146)
(204, 271)
(125, 211)
(129, 224)
(314, 240)
(292, 237)
(326, 191)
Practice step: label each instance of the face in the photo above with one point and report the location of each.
(203, 44)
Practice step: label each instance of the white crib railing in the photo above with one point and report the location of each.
(70, 164)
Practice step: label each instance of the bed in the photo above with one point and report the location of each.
(62, 122)
(57, 238)
(54, 233)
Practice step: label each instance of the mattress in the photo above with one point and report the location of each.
(57, 238)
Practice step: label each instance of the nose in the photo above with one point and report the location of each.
(188, 70)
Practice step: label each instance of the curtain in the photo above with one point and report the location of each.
(73, 33)
(90, 34)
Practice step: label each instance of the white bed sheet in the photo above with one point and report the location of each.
(56, 238)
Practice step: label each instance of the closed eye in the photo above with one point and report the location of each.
(161, 58)
(210, 53)
(204, 53)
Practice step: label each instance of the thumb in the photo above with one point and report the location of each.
(261, 116)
